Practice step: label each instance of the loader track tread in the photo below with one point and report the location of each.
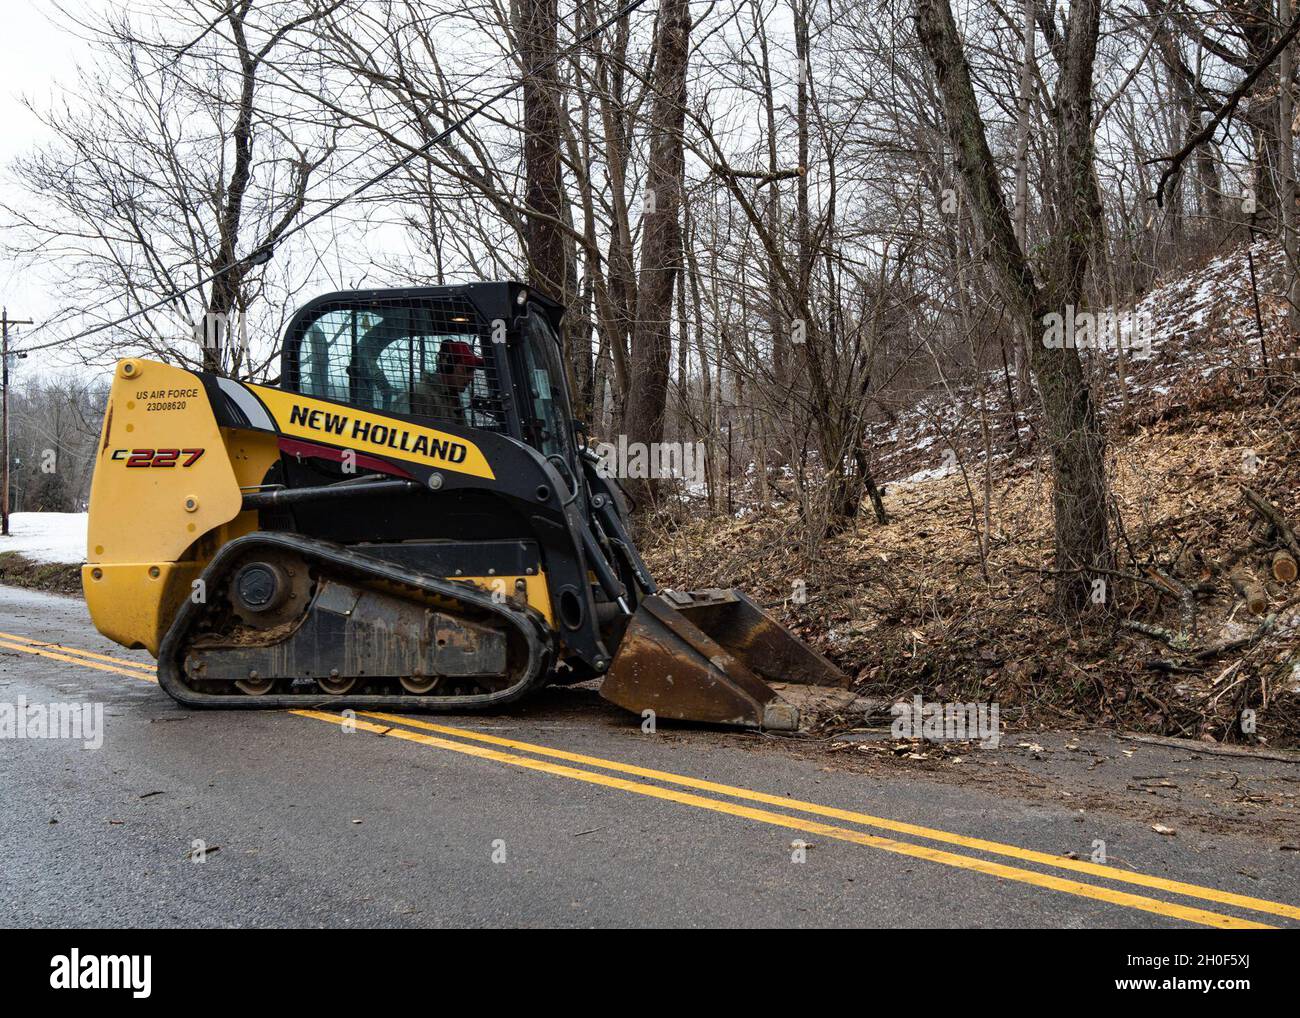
(176, 643)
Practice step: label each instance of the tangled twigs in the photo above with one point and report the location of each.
(1177, 641)
(1224, 112)
(1186, 604)
(1273, 515)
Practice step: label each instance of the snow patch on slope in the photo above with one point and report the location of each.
(47, 537)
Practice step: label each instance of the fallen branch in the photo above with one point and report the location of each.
(1178, 641)
(1159, 664)
(1216, 748)
(1213, 650)
(1272, 514)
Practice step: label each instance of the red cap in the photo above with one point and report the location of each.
(455, 352)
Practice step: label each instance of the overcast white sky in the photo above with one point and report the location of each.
(36, 56)
(40, 55)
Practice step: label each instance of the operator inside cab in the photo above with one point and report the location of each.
(439, 393)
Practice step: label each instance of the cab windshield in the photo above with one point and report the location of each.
(426, 358)
(545, 382)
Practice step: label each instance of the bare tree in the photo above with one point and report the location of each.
(170, 166)
(1072, 432)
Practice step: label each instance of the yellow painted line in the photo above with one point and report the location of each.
(897, 826)
(77, 651)
(1032, 877)
(965, 862)
(76, 660)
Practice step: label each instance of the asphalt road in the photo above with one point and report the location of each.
(590, 822)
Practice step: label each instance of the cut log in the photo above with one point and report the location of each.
(1249, 590)
(1284, 566)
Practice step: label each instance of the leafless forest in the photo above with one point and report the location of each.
(834, 243)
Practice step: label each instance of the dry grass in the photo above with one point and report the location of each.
(18, 571)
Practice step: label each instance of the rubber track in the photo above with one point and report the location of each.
(171, 653)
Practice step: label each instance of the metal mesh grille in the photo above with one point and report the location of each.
(428, 357)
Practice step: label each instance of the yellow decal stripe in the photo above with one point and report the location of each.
(347, 427)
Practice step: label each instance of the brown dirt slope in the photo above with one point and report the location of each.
(911, 607)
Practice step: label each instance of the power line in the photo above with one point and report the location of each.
(264, 253)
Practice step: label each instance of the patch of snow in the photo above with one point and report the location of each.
(923, 475)
(47, 537)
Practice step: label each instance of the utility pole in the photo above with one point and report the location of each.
(5, 322)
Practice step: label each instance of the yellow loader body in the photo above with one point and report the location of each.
(405, 521)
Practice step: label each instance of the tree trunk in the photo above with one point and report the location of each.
(661, 244)
(1286, 136)
(538, 41)
(1071, 431)
(226, 286)
(544, 236)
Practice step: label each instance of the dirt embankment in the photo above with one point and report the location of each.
(17, 570)
(952, 604)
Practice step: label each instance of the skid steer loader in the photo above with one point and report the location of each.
(411, 519)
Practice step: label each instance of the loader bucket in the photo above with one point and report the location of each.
(704, 656)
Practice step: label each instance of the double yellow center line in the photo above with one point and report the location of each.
(76, 656)
(797, 814)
